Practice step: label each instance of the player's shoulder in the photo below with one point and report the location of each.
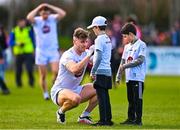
(67, 53)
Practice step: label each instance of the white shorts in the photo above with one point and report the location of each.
(54, 94)
(43, 58)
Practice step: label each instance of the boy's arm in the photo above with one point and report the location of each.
(135, 63)
(97, 62)
(120, 70)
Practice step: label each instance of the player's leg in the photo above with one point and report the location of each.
(67, 100)
(54, 63)
(54, 69)
(88, 93)
(42, 80)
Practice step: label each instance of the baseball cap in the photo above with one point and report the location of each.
(98, 21)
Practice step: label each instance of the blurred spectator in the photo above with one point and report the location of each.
(114, 32)
(3, 47)
(175, 34)
(133, 19)
(22, 43)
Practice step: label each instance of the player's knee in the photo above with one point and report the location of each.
(76, 100)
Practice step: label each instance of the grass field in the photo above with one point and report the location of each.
(25, 108)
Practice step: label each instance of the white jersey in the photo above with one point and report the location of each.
(103, 43)
(66, 79)
(131, 53)
(46, 33)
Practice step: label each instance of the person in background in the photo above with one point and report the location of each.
(47, 49)
(134, 20)
(22, 43)
(175, 34)
(3, 47)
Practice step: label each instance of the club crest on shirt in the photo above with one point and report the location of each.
(129, 59)
(46, 29)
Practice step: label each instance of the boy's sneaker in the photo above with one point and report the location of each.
(85, 120)
(60, 117)
(100, 123)
(138, 122)
(128, 122)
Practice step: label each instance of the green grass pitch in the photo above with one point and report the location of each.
(25, 108)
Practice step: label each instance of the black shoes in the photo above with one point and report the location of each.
(60, 117)
(137, 122)
(99, 123)
(128, 122)
(131, 122)
(5, 91)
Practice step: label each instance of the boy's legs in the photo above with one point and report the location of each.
(101, 94)
(130, 96)
(108, 106)
(139, 87)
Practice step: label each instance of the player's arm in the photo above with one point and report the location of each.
(34, 12)
(60, 12)
(75, 68)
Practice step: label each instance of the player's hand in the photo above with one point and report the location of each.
(90, 50)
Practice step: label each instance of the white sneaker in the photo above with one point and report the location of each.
(85, 120)
(60, 117)
(46, 95)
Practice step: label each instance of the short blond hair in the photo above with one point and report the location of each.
(80, 33)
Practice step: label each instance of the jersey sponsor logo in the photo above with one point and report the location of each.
(46, 29)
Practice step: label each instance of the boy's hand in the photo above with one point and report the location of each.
(118, 78)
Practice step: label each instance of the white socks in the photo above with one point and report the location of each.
(46, 95)
(85, 113)
(60, 111)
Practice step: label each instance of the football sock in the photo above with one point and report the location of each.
(85, 113)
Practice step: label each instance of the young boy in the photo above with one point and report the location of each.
(101, 70)
(134, 63)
